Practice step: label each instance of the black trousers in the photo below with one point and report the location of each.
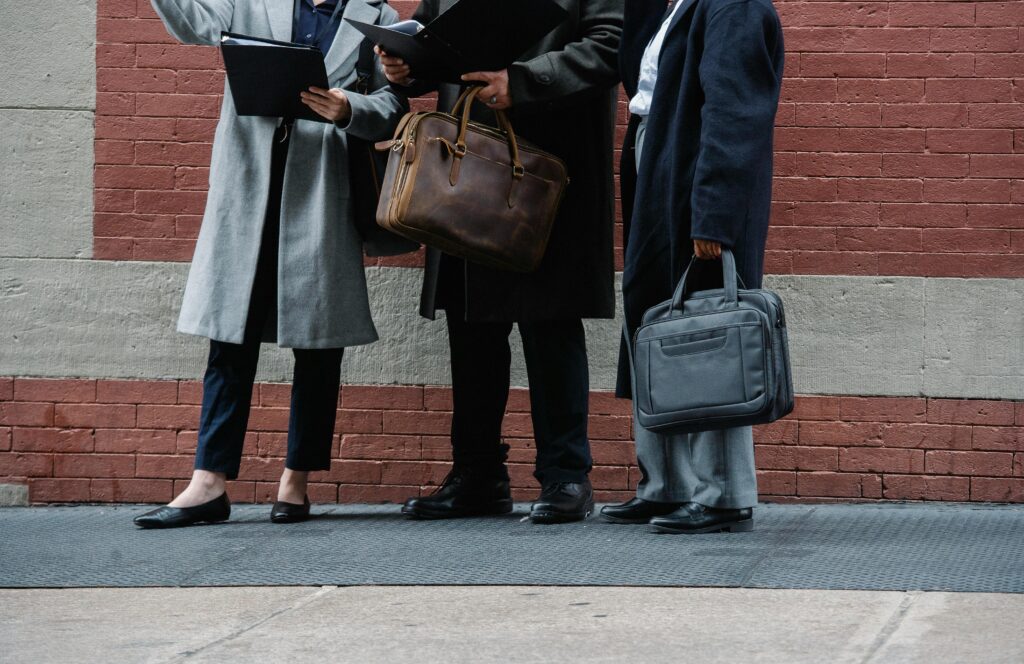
(231, 369)
(556, 365)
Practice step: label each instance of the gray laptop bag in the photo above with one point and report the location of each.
(713, 359)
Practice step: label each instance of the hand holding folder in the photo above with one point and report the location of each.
(470, 36)
(266, 77)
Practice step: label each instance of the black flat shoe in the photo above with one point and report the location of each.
(283, 512)
(636, 510)
(563, 502)
(218, 509)
(464, 493)
(694, 518)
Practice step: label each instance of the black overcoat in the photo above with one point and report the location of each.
(641, 21)
(706, 169)
(564, 100)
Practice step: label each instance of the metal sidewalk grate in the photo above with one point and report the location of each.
(863, 547)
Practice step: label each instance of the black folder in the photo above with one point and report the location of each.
(266, 76)
(471, 35)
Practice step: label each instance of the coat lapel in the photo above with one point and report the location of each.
(677, 18)
(280, 13)
(347, 41)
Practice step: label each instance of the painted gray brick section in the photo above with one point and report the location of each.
(47, 99)
(117, 319)
(856, 335)
(849, 335)
(13, 495)
(46, 183)
(49, 56)
(976, 324)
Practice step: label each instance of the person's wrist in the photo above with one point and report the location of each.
(345, 109)
(344, 115)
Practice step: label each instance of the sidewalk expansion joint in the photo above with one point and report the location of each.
(890, 626)
(298, 604)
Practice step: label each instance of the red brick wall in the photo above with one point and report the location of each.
(133, 441)
(900, 151)
(900, 140)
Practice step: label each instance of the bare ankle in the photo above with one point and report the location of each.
(292, 488)
(203, 487)
(206, 480)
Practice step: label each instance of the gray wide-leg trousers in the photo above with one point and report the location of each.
(713, 468)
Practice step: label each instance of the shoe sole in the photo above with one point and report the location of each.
(203, 522)
(624, 521)
(289, 519)
(745, 526)
(495, 509)
(560, 517)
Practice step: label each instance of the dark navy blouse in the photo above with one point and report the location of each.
(312, 20)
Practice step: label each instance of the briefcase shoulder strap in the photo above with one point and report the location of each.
(366, 62)
(364, 66)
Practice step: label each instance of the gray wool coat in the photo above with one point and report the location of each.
(322, 300)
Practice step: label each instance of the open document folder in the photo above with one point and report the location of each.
(471, 35)
(266, 76)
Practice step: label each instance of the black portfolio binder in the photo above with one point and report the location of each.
(266, 76)
(471, 35)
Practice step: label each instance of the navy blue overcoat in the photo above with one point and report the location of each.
(706, 168)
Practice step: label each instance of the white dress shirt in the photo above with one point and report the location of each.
(641, 102)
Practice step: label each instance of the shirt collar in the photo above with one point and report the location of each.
(328, 5)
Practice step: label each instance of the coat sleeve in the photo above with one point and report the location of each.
(586, 65)
(740, 79)
(375, 115)
(196, 21)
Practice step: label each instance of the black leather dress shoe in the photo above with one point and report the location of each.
(463, 493)
(694, 518)
(218, 509)
(636, 510)
(563, 502)
(283, 512)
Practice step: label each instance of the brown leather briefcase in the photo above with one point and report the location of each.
(470, 190)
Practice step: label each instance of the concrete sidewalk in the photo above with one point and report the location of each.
(507, 624)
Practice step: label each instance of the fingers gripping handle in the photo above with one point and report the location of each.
(729, 279)
(462, 109)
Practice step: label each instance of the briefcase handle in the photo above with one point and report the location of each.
(464, 104)
(729, 279)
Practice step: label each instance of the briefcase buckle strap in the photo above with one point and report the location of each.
(462, 109)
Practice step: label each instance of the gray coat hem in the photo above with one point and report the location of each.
(347, 341)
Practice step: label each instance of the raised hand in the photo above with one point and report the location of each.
(395, 69)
